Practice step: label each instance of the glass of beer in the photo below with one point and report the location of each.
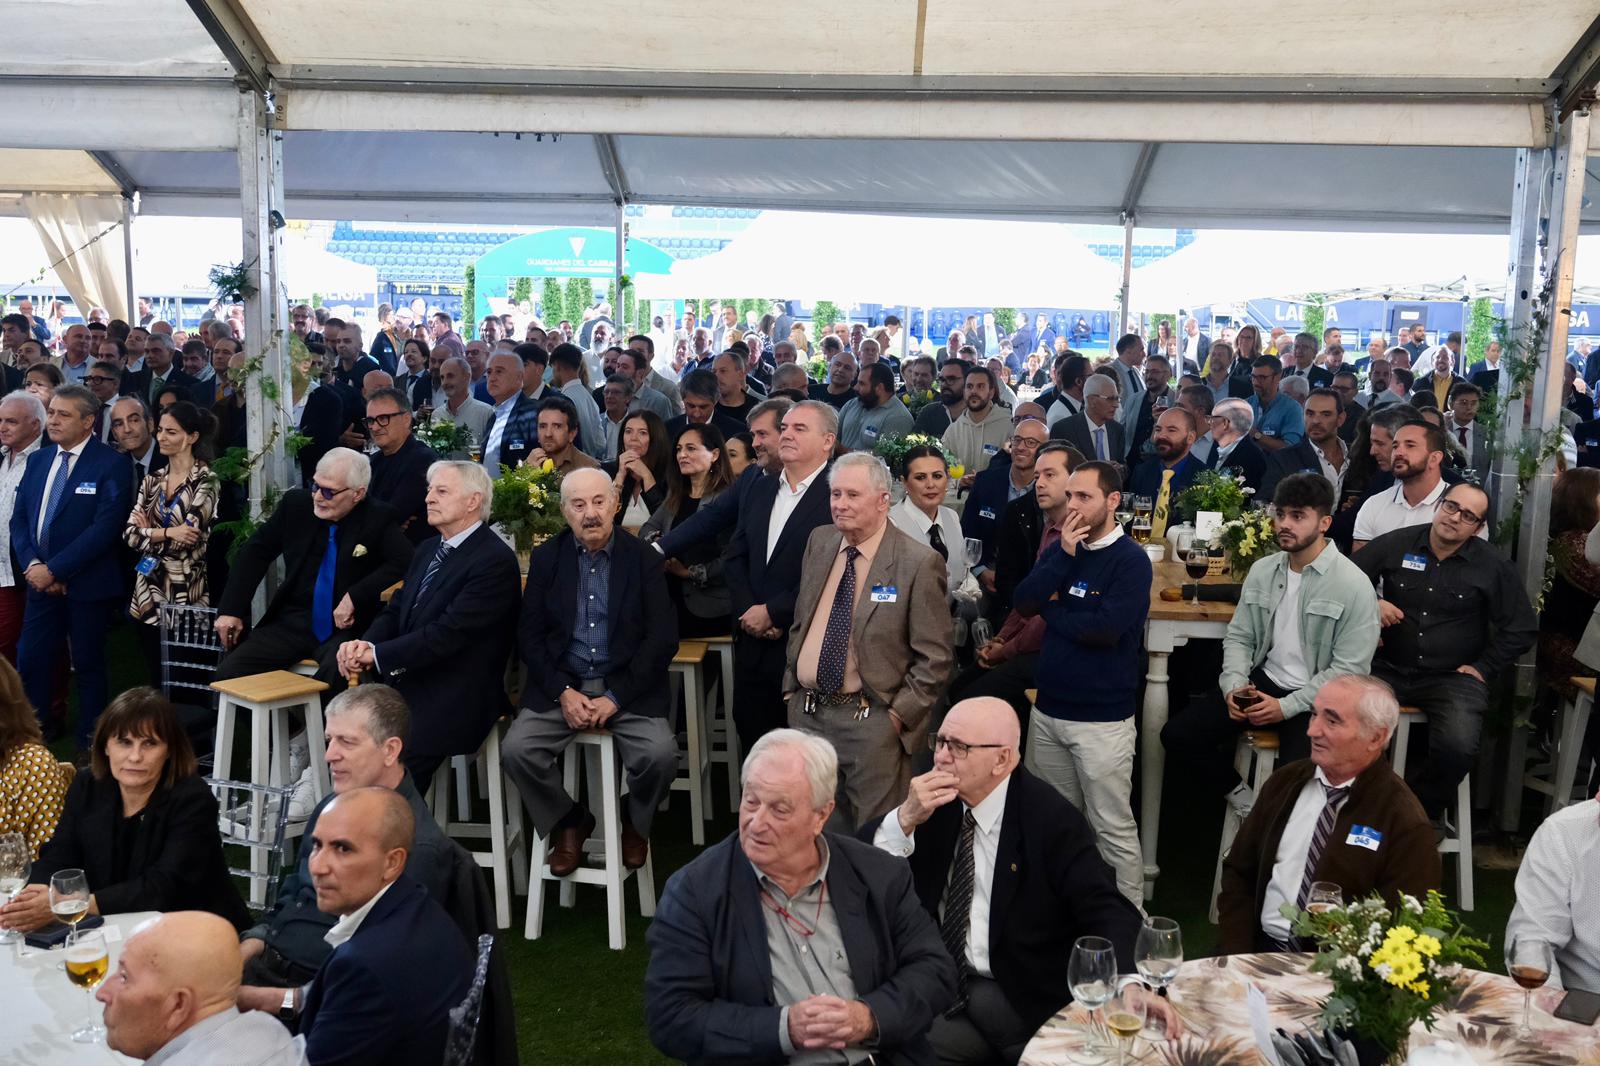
(15, 863)
(1529, 963)
(87, 961)
(69, 896)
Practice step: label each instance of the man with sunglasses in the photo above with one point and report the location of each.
(1009, 869)
(400, 466)
(1454, 614)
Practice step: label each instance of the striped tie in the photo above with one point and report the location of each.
(1335, 798)
(433, 568)
(958, 908)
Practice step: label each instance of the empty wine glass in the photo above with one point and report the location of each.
(1125, 1014)
(1092, 973)
(87, 961)
(1529, 963)
(16, 861)
(1157, 953)
(69, 896)
(974, 549)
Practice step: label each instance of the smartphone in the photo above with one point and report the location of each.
(1579, 1006)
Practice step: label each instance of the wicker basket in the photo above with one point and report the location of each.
(1217, 565)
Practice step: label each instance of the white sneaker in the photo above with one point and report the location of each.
(1241, 799)
(304, 798)
(299, 755)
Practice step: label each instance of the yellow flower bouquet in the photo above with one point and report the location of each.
(1389, 970)
(1248, 539)
(527, 504)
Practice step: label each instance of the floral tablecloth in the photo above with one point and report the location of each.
(1210, 995)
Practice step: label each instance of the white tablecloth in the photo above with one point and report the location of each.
(39, 1007)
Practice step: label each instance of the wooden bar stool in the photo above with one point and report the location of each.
(724, 738)
(1572, 724)
(1459, 845)
(1254, 757)
(505, 860)
(608, 849)
(694, 759)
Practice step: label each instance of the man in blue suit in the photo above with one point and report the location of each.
(1173, 466)
(399, 963)
(71, 508)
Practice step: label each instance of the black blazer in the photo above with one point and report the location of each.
(1050, 887)
(775, 582)
(1318, 377)
(447, 655)
(1021, 529)
(716, 518)
(1298, 458)
(324, 418)
(385, 994)
(296, 533)
(401, 481)
(417, 387)
(176, 862)
(1247, 459)
(642, 620)
(708, 986)
(137, 383)
(1076, 431)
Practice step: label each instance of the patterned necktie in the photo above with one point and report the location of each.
(433, 568)
(1158, 517)
(322, 593)
(936, 542)
(1335, 798)
(836, 637)
(958, 907)
(58, 492)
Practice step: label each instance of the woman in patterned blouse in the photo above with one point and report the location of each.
(170, 522)
(32, 785)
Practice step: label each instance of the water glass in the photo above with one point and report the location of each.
(974, 548)
(1092, 972)
(16, 861)
(1158, 953)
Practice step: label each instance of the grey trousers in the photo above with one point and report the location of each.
(874, 770)
(531, 758)
(988, 1031)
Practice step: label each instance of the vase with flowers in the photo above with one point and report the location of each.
(527, 506)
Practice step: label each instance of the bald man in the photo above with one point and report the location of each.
(398, 963)
(173, 999)
(1036, 884)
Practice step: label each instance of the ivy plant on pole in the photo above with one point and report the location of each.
(469, 304)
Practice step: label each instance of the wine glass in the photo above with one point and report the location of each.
(16, 860)
(1325, 896)
(87, 961)
(1125, 513)
(1092, 972)
(1158, 952)
(1125, 1014)
(974, 548)
(1197, 563)
(69, 896)
(1529, 963)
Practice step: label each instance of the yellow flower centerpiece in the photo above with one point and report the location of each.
(527, 504)
(1389, 970)
(1248, 539)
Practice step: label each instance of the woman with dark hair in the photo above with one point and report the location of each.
(741, 452)
(32, 785)
(43, 379)
(141, 825)
(170, 523)
(640, 469)
(922, 515)
(695, 578)
(170, 395)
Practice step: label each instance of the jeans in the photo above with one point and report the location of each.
(1455, 704)
(1203, 736)
(1091, 764)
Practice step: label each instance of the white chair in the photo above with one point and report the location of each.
(1572, 723)
(694, 759)
(1255, 757)
(724, 738)
(505, 860)
(608, 849)
(1459, 845)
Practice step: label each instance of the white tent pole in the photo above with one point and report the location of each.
(1127, 273)
(616, 271)
(128, 211)
(905, 333)
(260, 200)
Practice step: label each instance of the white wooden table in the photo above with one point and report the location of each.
(39, 1007)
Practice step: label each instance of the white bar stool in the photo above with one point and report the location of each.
(608, 849)
(694, 759)
(505, 860)
(724, 738)
(1254, 757)
(1572, 724)
(1459, 845)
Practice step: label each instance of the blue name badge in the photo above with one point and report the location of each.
(1414, 562)
(871, 431)
(991, 449)
(1080, 590)
(1364, 836)
(986, 512)
(85, 489)
(885, 593)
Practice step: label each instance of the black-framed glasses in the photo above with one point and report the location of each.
(328, 494)
(959, 748)
(381, 421)
(1451, 507)
(99, 379)
(1024, 442)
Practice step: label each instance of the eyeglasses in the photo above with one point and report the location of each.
(327, 493)
(1451, 507)
(1017, 441)
(959, 748)
(99, 379)
(381, 421)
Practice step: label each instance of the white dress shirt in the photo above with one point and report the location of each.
(497, 432)
(1388, 511)
(1289, 866)
(76, 451)
(1558, 894)
(912, 521)
(784, 503)
(346, 926)
(985, 846)
(12, 467)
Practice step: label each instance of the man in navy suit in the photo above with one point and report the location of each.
(70, 511)
(446, 636)
(399, 963)
(597, 635)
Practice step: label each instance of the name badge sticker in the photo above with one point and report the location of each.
(1414, 562)
(885, 593)
(1364, 836)
(516, 445)
(1080, 590)
(991, 449)
(986, 512)
(86, 489)
(871, 431)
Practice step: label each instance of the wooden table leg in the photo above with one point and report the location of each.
(1152, 765)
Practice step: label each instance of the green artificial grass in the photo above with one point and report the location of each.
(580, 1003)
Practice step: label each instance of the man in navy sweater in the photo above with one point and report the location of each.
(1094, 594)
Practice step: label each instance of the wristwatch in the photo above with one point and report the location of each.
(287, 1010)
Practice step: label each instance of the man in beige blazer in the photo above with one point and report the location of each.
(867, 666)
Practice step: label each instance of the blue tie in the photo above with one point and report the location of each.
(1100, 442)
(433, 568)
(58, 492)
(322, 595)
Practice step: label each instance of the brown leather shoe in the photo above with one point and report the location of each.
(566, 852)
(635, 848)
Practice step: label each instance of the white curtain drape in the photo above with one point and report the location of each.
(94, 274)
